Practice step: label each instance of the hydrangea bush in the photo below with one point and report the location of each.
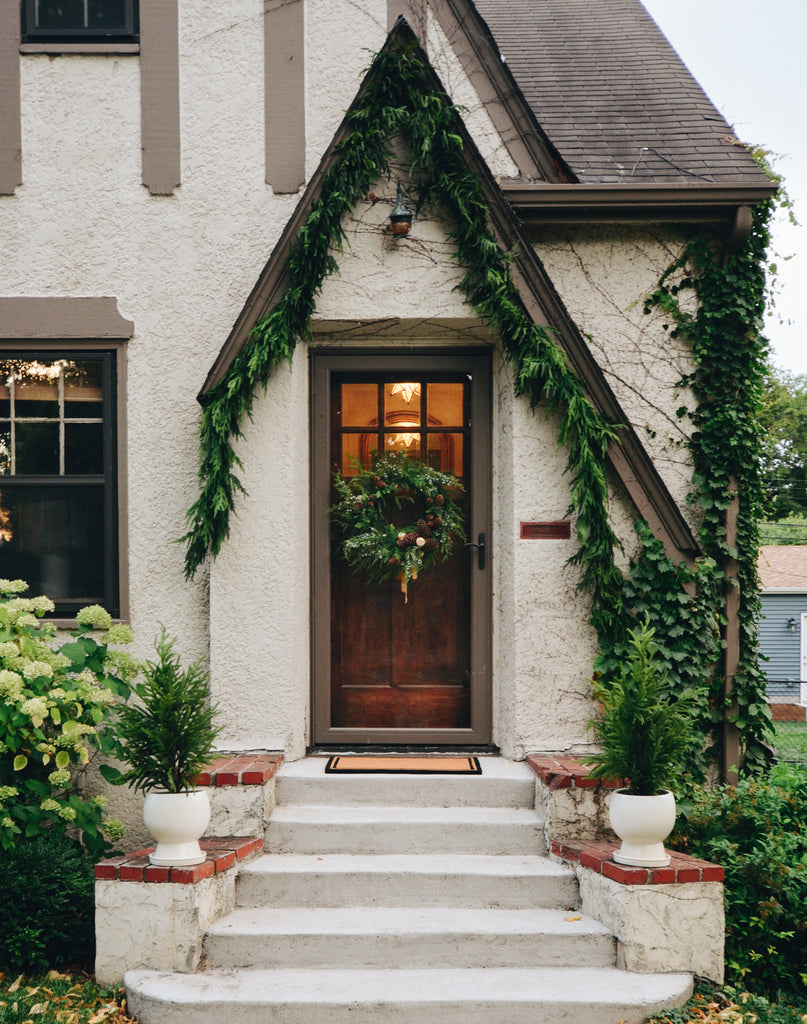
(56, 706)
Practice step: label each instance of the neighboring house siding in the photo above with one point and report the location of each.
(781, 645)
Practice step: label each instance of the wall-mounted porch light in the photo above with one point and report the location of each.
(400, 220)
(791, 624)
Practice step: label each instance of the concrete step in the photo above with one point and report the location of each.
(450, 996)
(406, 880)
(329, 828)
(383, 937)
(502, 784)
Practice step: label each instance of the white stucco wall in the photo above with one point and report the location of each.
(181, 268)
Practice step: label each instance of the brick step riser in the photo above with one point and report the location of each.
(407, 791)
(403, 837)
(416, 950)
(400, 890)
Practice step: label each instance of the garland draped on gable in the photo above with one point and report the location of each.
(399, 97)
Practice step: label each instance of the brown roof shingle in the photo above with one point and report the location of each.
(612, 94)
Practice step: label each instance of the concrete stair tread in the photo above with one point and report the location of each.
(526, 865)
(376, 921)
(340, 814)
(579, 995)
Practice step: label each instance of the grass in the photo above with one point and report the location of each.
(56, 998)
(791, 741)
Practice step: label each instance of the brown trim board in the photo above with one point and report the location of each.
(159, 95)
(284, 94)
(10, 113)
(541, 302)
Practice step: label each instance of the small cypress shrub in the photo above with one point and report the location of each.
(47, 906)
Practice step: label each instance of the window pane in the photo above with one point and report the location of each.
(83, 398)
(356, 448)
(359, 405)
(37, 448)
(403, 441)
(83, 448)
(109, 15)
(53, 537)
(5, 449)
(444, 405)
(55, 14)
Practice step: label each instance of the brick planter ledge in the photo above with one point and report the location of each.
(240, 770)
(221, 854)
(599, 857)
(564, 772)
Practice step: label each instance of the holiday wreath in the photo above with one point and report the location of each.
(378, 541)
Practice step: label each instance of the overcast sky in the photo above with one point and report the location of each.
(750, 58)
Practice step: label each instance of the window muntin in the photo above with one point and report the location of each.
(58, 505)
(79, 20)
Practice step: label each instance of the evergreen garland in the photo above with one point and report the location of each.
(399, 98)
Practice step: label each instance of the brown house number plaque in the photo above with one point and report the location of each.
(546, 531)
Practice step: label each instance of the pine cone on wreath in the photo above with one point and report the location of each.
(430, 544)
(410, 537)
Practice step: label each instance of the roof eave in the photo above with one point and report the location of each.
(716, 203)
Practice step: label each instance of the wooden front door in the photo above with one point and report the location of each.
(389, 667)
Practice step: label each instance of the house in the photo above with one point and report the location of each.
(200, 208)
(783, 574)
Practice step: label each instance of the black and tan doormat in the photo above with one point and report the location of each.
(377, 764)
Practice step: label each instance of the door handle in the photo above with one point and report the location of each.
(480, 547)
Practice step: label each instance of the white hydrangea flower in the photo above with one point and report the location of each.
(67, 813)
(7, 822)
(10, 685)
(42, 604)
(100, 800)
(49, 804)
(12, 586)
(120, 633)
(61, 777)
(8, 791)
(94, 615)
(113, 829)
(35, 669)
(9, 649)
(27, 619)
(36, 708)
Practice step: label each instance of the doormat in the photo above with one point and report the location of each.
(381, 765)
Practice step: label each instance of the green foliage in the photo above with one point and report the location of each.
(758, 833)
(643, 731)
(47, 905)
(784, 451)
(400, 97)
(682, 604)
(373, 499)
(730, 356)
(58, 703)
(167, 736)
(790, 529)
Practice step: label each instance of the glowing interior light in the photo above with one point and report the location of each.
(407, 389)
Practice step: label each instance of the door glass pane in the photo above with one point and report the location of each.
(403, 441)
(356, 448)
(444, 405)
(444, 452)
(402, 403)
(359, 405)
(53, 537)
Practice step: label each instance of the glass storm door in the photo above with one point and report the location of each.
(391, 667)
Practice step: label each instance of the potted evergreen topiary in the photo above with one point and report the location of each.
(166, 739)
(644, 733)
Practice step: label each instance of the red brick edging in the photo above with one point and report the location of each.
(221, 855)
(598, 857)
(563, 772)
(240, 770)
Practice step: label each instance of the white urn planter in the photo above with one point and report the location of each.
(177, 821)
(642, 823)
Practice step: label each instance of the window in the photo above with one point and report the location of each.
(79, 20)
(58, 488)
